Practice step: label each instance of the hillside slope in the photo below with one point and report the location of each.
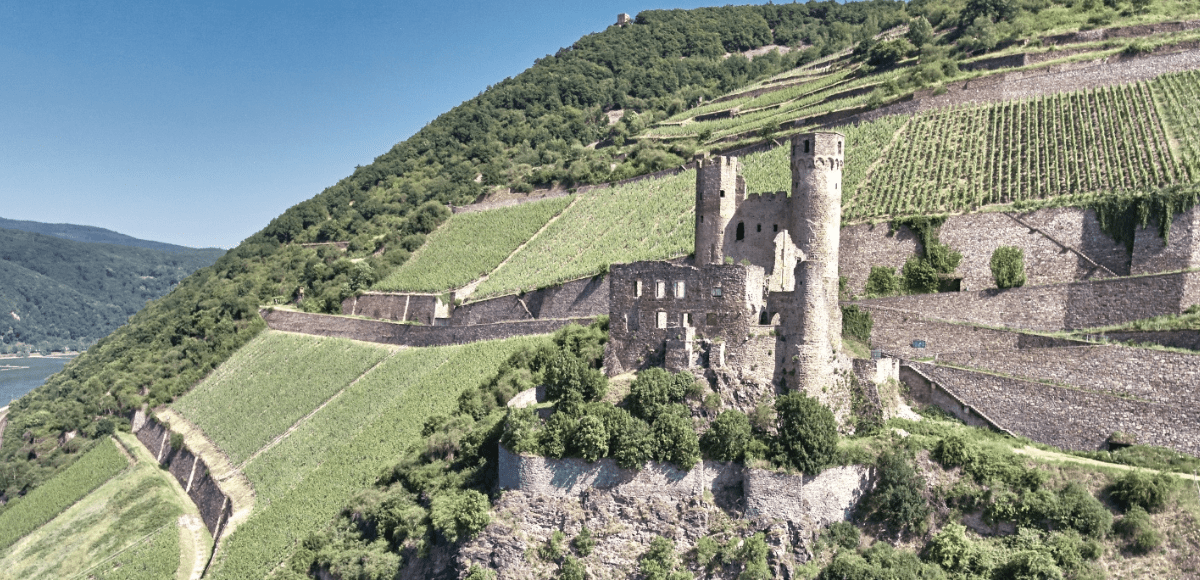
(59, 294)
(95, 235)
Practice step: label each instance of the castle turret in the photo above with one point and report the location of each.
(717, 197)
(816, 216)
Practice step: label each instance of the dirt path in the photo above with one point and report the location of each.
(1044, 455)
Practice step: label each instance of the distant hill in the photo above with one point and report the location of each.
(60, 294)
(95, 235)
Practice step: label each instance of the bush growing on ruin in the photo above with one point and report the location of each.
(568, 373)
(573, 569)
(856, 324)
(675, 440)
(584, 543)
(1008, 267)
(920, 277)
(882, 281)
(660, 561)
(1143, 489)
(654, 389)
(807, 433)
(591, 438)
(460, 514)
(898, 498)
(727, 437)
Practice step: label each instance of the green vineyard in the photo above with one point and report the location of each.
(1178, 99)
(470, 245)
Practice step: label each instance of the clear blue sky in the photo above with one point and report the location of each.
(195, 123)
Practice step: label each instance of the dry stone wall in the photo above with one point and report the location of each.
(1069, 306)
(1148, 375)
(811, 500)
(1189, 339)
(895, 330)
(926, 391)
(1182, 252)
(405, 334)
(420, 308)
(191, 473)
(1068, 417)
(586, 297)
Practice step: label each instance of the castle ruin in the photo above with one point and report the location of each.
(759, 300)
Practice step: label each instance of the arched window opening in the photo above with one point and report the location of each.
(741, 231)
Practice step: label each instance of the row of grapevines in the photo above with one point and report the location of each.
(470, 245)
(1178, 97)
(302, 482)
(154, 558)
(26, 514)
(962, 158)
(645, 220)
(269, 384)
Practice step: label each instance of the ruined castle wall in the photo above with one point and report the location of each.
(1062, 306)
(550, 477)
(635, 339)
(821, 499)
(191, 473)
(926, 391)
(1181, 252)
(404, 334)
(1067, 417)
(764, 220)
(894, 331)
(1148, 375)
(503, 309)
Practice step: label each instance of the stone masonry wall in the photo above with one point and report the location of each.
(1189, 339)
(1149, 375)
(1057, 307)
(926, 391)
(1060, 245)
(820, 499)
(894, 332)
(422, 308)
(1181, 252)
(1070, 418)
(404, 334)
(817, 500)
(191, 473)
(586, 297)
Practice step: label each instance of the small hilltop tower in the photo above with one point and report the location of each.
(813, 319)
(719, 189)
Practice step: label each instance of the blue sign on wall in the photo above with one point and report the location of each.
(918, 344)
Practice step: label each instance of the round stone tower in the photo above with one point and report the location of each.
(716, 204)
(816, 218)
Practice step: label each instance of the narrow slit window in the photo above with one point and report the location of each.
(722, 193)
(741, 231)
(687, 319)
(758, 228)
(637, 289)
(775, 228)
(806, 145)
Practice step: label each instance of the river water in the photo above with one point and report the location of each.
(21, 375)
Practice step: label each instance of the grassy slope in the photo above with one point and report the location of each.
(470, 245)
(95, 467)
(306, 478)
(269, 384)
(126, 528)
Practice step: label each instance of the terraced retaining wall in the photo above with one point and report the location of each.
(191, 473)
(895, 330)
(1189, 339)
(583, 298)
(1055, 307)
(1065, 417)
(406, 334)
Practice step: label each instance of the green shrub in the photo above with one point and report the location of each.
(660, 561)
(1078, 510)
(675, 440)
(477, 573)
(1137, 527)
(807, 433)
(555, 438)
(753, 555)
(706, 550)
(856, 324)
(920, 277)
(1029, 565)
(584, 543)
(654, 389)
(897, 498)
(1140, 488)
(635, 444)
(176, 441)
(952, 550)
(727, 437)
(882, 281)
(880, 561)
(521, 431)
(552, 550)
(458, 515)
(568, 373)
(573, 569)
(843, 534)
(1008, 267)
(591, 438)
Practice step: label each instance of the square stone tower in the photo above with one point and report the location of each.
(717, 199)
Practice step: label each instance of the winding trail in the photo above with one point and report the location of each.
(1044, 455)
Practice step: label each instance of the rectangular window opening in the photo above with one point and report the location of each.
(679, 289)
(660, 289)
(662, 320)
(637, 289)
(716, 291)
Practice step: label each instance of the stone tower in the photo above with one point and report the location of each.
(717, 196)
(815, 319)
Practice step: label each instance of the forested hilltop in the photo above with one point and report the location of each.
(549, 126)
(59, 294)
